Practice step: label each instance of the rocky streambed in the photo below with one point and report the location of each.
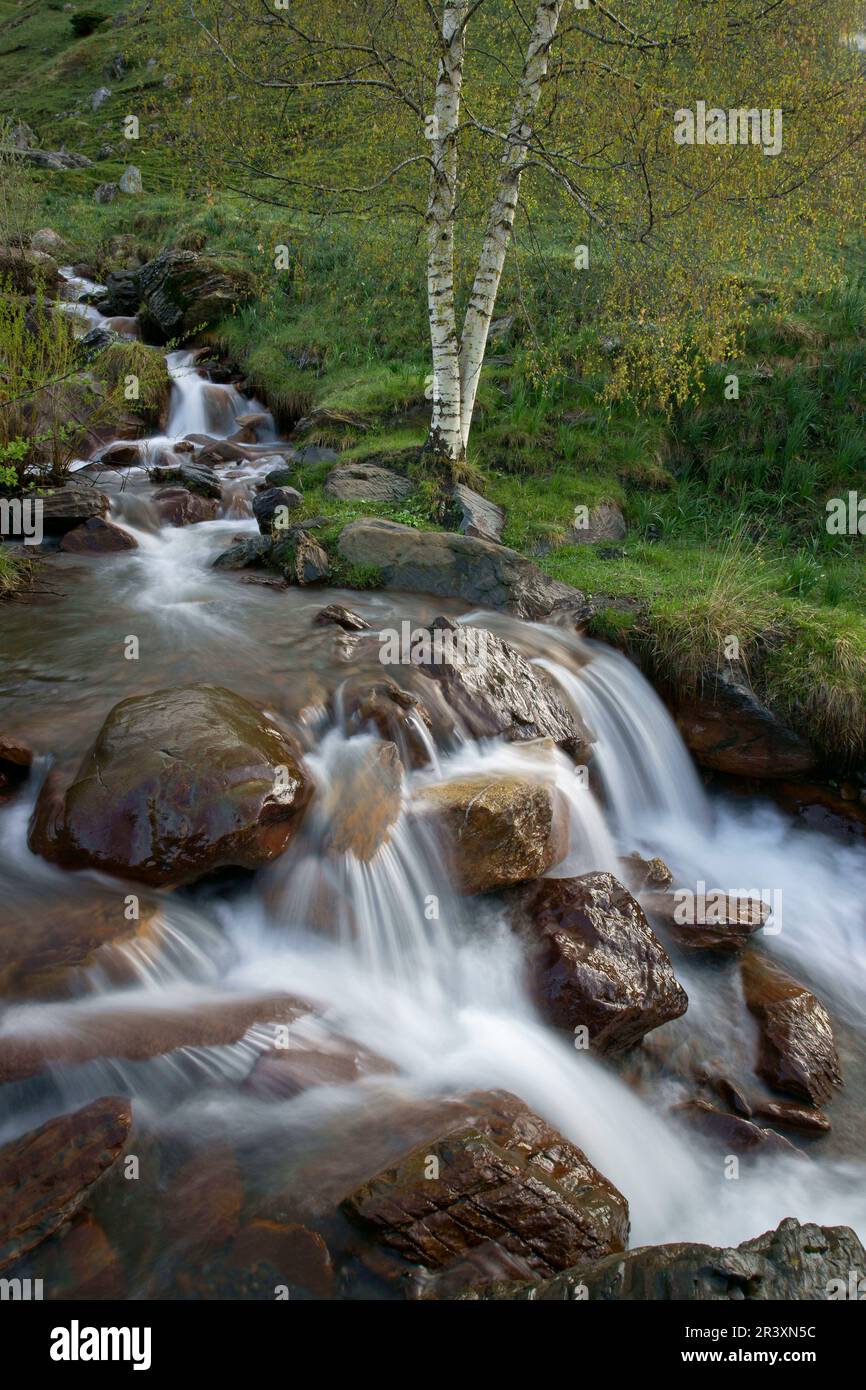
(385, 943)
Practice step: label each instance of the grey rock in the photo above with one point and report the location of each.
(342, 617)
(254, 553)
(192, 475)
(130, 180)
(65, 507)
(477, 516)
(604, 523)
(316, 453)
(99, 98)
(54, 159)
(367, 482)
(105, 193)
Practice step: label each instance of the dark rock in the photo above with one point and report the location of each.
(725, 925)
(122, 290)
(26, 271)
(504, 1185)
(178, 783)
(596, 963)
(193, 476)
(105, 193)
(342, 617)
(728, 729)
(366, 482)
(16, 759)
(97, 537)
(639, 872)
(272, 505)
(287, 1072)
(801, 1263)
(177, 506)
(604, 523)
(254, 553)
(47, 1174)
(66, 507)
(797, 1051)
(455, 566)
(393, 712)
(733, 1133)
(495, 831)
(494, 691)
(300, 558)
(183, 292)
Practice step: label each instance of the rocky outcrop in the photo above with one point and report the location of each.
(503, 1188)
(66, 507)
(794, 1262)
(797, 1049)
(495, 831)
(728, 729)
(454, 566)
(178, 783)
(97, 537)
(183, 292)
(367, 482)
(494, 691)
(48, 1174)
(595, 962)
(476, 515)
(177, 506)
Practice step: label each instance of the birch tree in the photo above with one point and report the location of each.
(440, 110)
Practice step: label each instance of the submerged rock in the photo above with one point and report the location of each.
(47, 1174)
(733, 1133)
(502, 1187)
(394, 713)
(365, 800)
(454, 566)
(178, 783)
(495, 831)
(595, 962)
(793, 1262)
(797, 1050)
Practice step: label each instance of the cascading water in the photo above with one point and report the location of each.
(392, 957)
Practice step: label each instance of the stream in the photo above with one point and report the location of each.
(442, 1000)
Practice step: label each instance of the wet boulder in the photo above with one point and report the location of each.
(195, 477)
(797, 1051)
(394, 713)
(177, 506)
(595, 962)
(802, 1263)
(725, 922)
(494, 831)
(728, 729)
(501, 1187)
(16, 759)
(494, 691)
(272, 505)
(455, 566)
(363, 804)
(733, 1133)
(335, 614)
(66, 507)
(48, 1174)
(179, 783)
(96, 536)
(247, 553)
(183, 292)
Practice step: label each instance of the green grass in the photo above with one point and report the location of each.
(13, 573)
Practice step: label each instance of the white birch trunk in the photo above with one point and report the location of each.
(445, 427)
(500, 222)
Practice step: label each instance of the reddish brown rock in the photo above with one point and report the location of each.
(203, 1202)
(393, 712)
(16, 760)
(178, 783)
(297, 1255)
(97, 537)
(505, 1184)
(728, 729)
(639, 872)
(724, 925)
(732, 1133)
(495, 831)
(797, 1051)
(364, 802)
(342, 617)
(46, 1175)
(595, 962)
(286, 1072)
(83, 1033)
(177, 506)
(790, 1116)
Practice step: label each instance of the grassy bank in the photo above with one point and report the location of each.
(724, 498)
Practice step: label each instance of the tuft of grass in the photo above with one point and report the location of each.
(817, 677)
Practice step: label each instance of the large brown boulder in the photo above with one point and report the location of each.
(97, 537)
(46, 1175)
(595, 962)
(495, 831)
(178, 783)
(504, 1186)
(177, 506)
(728, 729)
(455, 566)
(793, 1262)
(493, 690)
(183, 292)
(797, 1049)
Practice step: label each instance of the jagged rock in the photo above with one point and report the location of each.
(455, 566)
(184, 292)
(603, 523)
(639, 872)
(300, 558)
(393, 712)
(794, 1262)
(506, 1189)
(178, 783)
(722, 926)
(495, 831)
(97, 537)
(476, 515)
(595, 962)
(177, 506)
(728, 729)
(790, 1116)
(66, 507)
(494, 691)
(367, 482)
(342, 617)
(193, 476)
(797, 1050)
(272, 505)
(47, 1174)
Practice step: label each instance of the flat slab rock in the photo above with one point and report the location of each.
(478, 516)
(797, 1048)
(506, 1185)
(802, 1263)
(455, 566)
(595, 962)
(46, 1175)
(367, 482)
(178, 783)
